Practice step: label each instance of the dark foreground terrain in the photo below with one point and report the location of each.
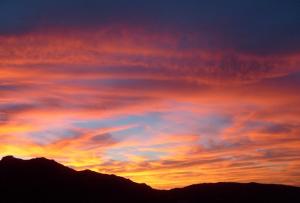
(42, 180)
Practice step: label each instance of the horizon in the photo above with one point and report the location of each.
(168, 93)
(203, 183)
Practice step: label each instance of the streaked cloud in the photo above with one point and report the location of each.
(167, 98)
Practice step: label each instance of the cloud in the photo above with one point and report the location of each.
(147, 56)
(168, 93)
(244, 27)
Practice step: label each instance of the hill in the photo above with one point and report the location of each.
(41, 180)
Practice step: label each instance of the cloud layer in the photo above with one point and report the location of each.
(167, 93)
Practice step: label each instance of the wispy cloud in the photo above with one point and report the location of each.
(168, 99)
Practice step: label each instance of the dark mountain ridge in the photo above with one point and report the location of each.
(42, 180)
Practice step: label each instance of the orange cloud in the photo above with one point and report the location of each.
(137, 104)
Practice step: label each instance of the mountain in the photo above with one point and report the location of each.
(41, 180)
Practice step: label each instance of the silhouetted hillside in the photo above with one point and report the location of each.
(42, 180)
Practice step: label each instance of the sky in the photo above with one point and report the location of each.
(168, 93)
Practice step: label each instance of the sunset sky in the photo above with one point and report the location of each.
(166, 92)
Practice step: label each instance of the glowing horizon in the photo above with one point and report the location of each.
(157, 99)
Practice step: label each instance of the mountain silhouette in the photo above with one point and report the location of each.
(41, 180)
